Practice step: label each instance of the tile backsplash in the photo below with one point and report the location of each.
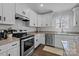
(19, 25)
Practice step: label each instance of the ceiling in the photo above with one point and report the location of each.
(49, 7)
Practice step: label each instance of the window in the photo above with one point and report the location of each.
(62, 22)
(65, 22)
(58, 22)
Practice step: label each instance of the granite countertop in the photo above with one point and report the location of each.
(71, 48)
(54, 32)
(8, 40)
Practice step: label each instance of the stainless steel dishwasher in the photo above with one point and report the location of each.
(50, 39)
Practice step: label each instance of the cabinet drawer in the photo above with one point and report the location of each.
(3, 48)
(14, 44)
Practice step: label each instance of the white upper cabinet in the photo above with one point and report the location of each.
(76, 16)
(8, 13)
(49, 19)
(44, 20)
(40, 21)
(33, 18)
(0, 13)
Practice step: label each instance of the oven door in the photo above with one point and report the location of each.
(27, 46)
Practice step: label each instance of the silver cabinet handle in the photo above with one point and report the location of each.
(76, 22)
(0, 49)
(0, 17)
(14, 44)
(36, 39)
(4, 18)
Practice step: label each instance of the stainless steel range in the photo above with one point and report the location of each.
(26, 44)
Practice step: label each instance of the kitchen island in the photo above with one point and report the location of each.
(71, 48)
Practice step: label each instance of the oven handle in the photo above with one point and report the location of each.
(27, 38)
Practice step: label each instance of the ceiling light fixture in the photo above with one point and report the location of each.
(41, 5)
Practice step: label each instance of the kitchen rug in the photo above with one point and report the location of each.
(53, 50)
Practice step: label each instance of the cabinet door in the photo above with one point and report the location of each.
(50, 20)
(76, 16)
(47, 20)
(3, 54)
(14, 52)
(44, 21)
(0, 13)
(9, 13)
(37, 42)
(33, 18)
(42, 38)
(58, 41)
(39, 39)
(40, 21)
(36, 23)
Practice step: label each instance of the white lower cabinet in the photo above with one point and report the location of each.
(39, 39)
(11, 49)
(42, 38)
(36, 44)
(14, 52)
(36, 40)
(3, 54)
(60, 38)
